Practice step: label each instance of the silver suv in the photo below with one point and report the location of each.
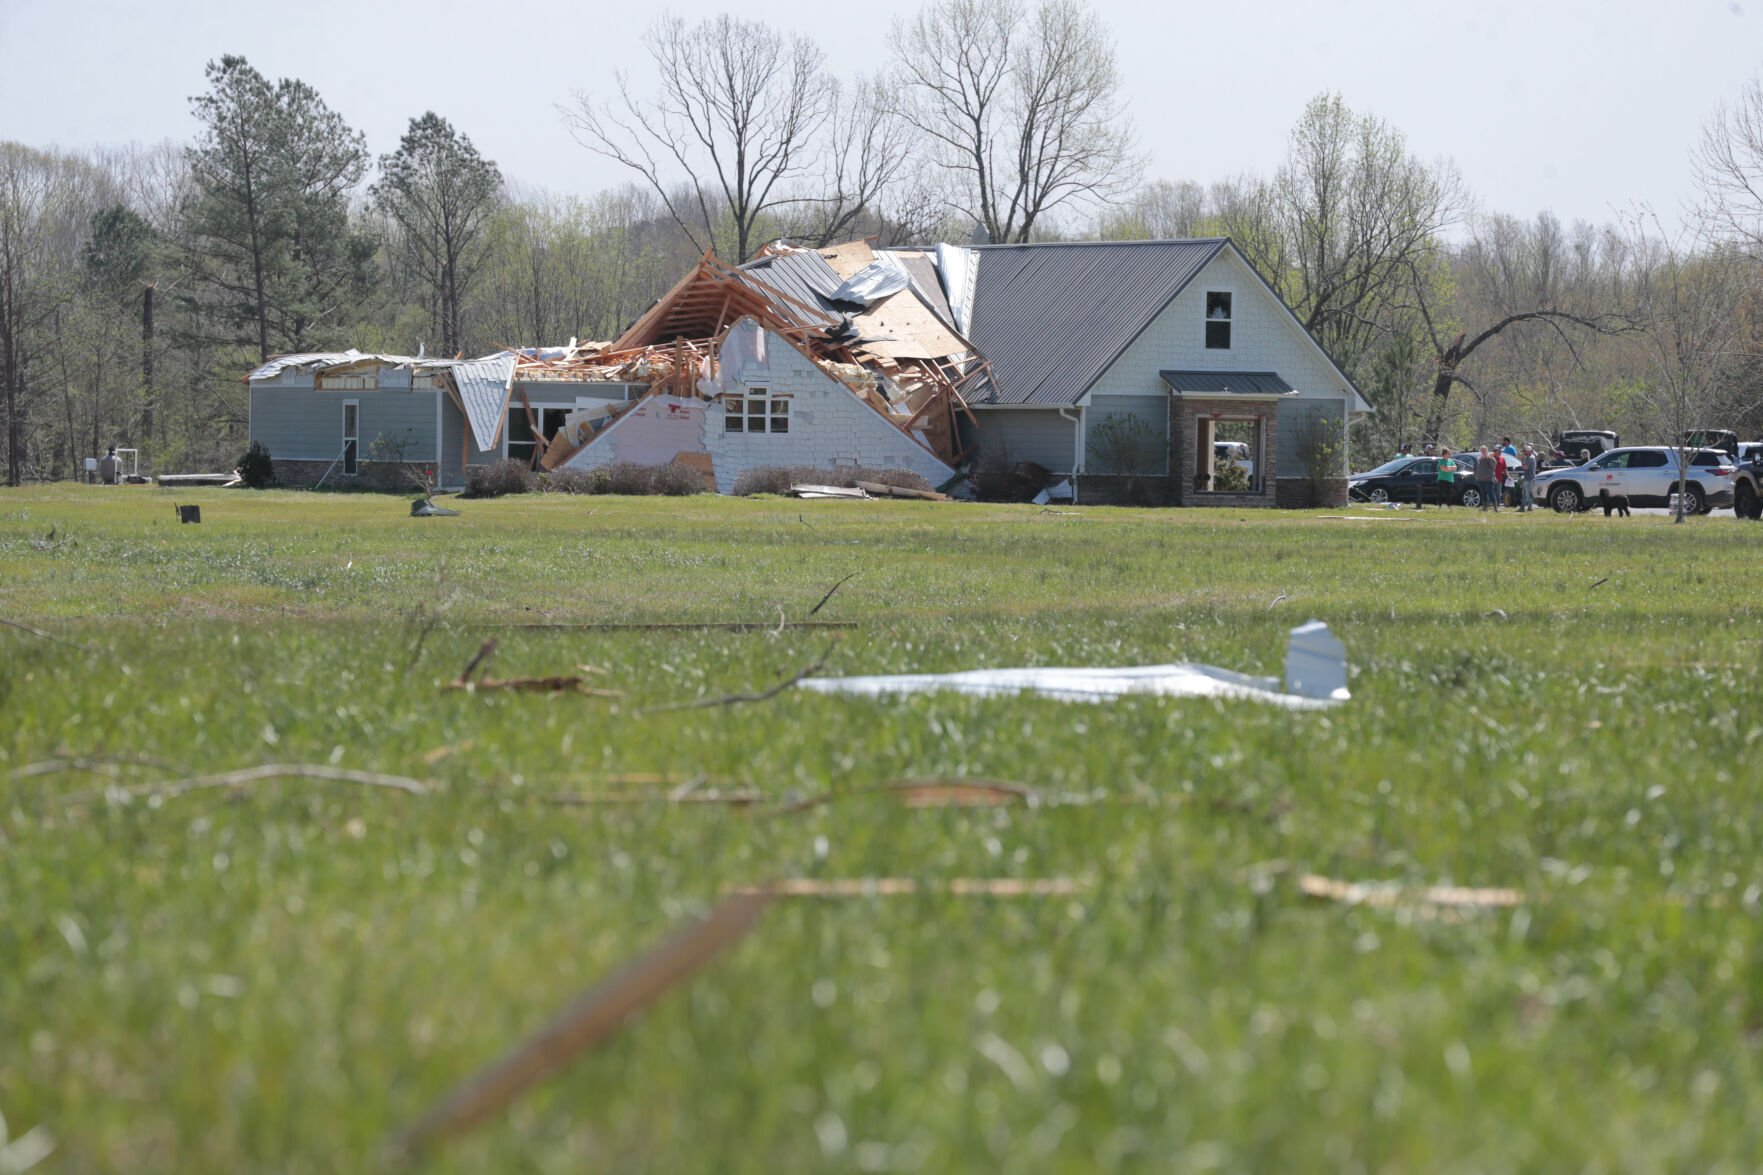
(1646, 475)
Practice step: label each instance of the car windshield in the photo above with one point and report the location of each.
(1387, 467)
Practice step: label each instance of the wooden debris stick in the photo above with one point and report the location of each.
(684, 626)
(166, 790)
(829, 593)
(712, 798)
(1388, 895)
(565, 683)
(588, 1020)
(806, 671)
(894, 887)
(40, 634)
(952, 792)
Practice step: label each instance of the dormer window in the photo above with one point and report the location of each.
(1217, 321)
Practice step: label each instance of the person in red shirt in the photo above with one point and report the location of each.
(1499, 477)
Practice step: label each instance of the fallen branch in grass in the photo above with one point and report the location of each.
(714, 797)
(232, 780)
(895, 887)
(683, 626)
(829, 593)
(931, 793)
(1390, 895)
(48, 636)
(1601, 582)
(99, 764)
(740, 699)
(566, 683)
(590, 1019)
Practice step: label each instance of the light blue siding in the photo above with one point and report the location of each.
(1298, 419)
(1151, 433)
(1040, 435)
(300, 424)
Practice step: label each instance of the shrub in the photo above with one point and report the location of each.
(1229, 478)
(502, 477)
(573, 481)
(678, 481)
(776, 479)
(627, 477)
(255, 467)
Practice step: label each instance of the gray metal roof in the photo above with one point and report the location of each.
(1052, 318)
(1227, 383)
(804, 276)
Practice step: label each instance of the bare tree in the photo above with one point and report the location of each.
(868, 148)
(1729, 169)
(1023, 108)
(1346, 226)
(1159, 211)
(737, 113)
(1690, 304)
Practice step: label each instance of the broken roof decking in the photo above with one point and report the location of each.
(482, 387)
(1053, 318)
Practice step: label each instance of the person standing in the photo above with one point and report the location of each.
(1484, 477)
(1500, 471)
(1447, 473)
(1527, 480)
(109, 466)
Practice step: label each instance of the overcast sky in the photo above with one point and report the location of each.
(1582, 108)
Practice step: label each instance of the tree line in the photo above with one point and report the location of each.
(138, 285)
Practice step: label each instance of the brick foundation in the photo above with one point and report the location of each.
(1102, 490)
(1294, 493)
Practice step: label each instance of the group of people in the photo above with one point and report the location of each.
(1494, 470)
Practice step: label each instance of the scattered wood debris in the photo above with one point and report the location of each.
(235, 780)
(800, 675)
(894, 887)
(950, 792)
(876, 489)
(40, 634)
(829, 593)
(567, 683)
(587, 1021)
(680, 626)
(1386, 895)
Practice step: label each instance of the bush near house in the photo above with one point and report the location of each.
(255, 467)
(776, 479)
(629, 479)
(499, 478)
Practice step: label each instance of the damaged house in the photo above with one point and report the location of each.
(1162, 371)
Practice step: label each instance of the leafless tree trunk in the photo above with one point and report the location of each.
(1729, 169)
(737, 111)
(1690, 302)
(1023, 107)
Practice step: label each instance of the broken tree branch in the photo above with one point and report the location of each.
(829, 593)
(590, 1019)
(739, 699)
(48, 636)
(233, 780)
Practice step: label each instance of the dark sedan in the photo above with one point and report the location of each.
(1411, 479)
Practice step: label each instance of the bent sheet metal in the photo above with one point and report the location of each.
(1316, 678)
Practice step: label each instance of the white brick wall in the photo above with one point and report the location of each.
(829, 427)
(1263, 338)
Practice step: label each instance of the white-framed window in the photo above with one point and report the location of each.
(1217, 320)
(757, 410)
(351, 437)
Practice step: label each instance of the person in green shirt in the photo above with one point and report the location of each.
(1447, 476)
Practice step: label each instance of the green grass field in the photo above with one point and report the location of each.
(280, 977)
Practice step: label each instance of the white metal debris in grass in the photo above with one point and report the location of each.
(1315, 678)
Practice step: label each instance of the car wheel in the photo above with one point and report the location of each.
(1744, 501)
(1566, 499)
(1471, 498)
(1695, 499)
(1378, 495)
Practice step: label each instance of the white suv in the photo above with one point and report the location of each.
(1647, 475)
